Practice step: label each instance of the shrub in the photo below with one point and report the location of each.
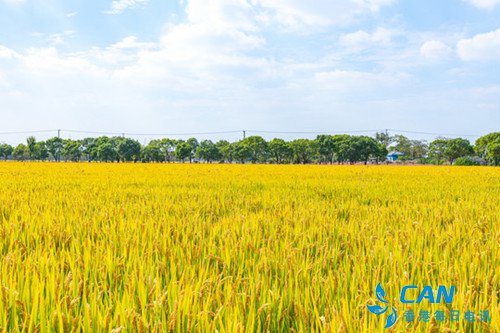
(466, 161)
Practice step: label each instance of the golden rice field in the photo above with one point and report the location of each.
(242, 248)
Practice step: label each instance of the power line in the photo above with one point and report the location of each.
(365, 131)
(245, 132)
(27, 132)
(316, 132)
(433, 133)
(148, 134)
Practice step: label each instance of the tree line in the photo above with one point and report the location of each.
(342, 149)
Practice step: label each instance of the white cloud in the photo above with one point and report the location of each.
(123, 53)
(48, 62)
(435, 50)
(216, 32)
(229, 13)
(484, 46)
(55, 39)
(205, 57)
(349, 81)
(6, 53)
(215, 55)
(131, 42)
(119, 6)
(362, 38)
(297, 15)
(14, 2)
(485, 4)
(71, 14)
(218, 69)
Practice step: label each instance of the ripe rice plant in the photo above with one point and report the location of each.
(241, 248)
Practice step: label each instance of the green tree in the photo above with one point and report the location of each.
(128, 150)
(104, 149)
(208, 151)
(304, 150)
(361, 149)
(183, 150)
(456, 148)
(412, 149)
(193, 143)
(279, 151)
(40, 151)
(258, 148)
(384, 138)
(327, 148)
(226, 151)
(418, 149)
(6, 150)
(106, 152)
(351, 149)
(369, 149)
(494, 152)
(481, 144)
(89, 149)
(403, 145)
(167, 147)
(21, 152)
(72, 150)
(342, 142)
(241, 151)
(382, 152)
(487, 147)
(31, 144)
(153, 152)
(437, 149)
(55, 146)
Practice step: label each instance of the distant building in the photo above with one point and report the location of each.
(394, 156)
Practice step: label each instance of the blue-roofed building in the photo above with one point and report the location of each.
(393, 156)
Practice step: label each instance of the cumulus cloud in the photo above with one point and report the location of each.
(197, 63)
(485, 46)
(6, 53)
(298, 14)
(363, 38)
(217, 69)
(485, 4)
(119, 6)
(435, 50)
(217, 53)
(131, 42)
(49, 62)
(215, 33)
(122, 53)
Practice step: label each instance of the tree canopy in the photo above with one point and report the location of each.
(340, 148)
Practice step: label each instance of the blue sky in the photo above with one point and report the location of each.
(151, 66)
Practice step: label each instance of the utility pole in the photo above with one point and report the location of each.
(58, 149)
(244, 135)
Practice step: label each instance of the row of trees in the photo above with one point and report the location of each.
(254, 149)
(444, 149)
